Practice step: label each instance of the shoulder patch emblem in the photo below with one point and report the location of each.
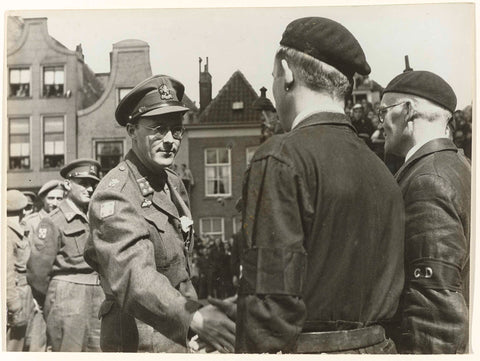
(113, 182)
(107, 209)
(42, 233)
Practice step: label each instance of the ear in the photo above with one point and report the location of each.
(131, 130)
(66, 185)
(288, 74)
(410, 112)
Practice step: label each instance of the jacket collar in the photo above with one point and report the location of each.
(433, 146)
(324, 118)
(155, 183)
(69, 210)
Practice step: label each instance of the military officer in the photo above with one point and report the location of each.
(50, 194)
(416, 109)
(57, 270)
(322, 263)
(19, 295)
(142, 234)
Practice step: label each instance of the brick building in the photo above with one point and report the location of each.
(47, 84)
(98, 131)
(220, 145)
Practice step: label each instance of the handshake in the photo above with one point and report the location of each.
(214, 325)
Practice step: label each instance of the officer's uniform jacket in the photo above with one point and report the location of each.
(323, 227)
(435, 183)
(57, 250)
(140, 241)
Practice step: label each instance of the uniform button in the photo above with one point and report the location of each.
(121, 167)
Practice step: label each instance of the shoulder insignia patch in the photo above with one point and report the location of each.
(42, 233)
(107, 209)
(113, 182)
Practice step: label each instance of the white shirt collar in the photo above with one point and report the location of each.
(330, 108)
(416, 147)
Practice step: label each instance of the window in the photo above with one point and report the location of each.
(19, 141)
(108, 154)
(217, 172)
(237, 105)
(53, 81)
(53, 142)
(212, 228)
(122, 92)
(237, 224)
(19, 82)
(249, 154)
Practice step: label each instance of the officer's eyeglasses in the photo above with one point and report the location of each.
(177, 130)
(382, 112)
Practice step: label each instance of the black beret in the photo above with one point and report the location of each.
(81, 168)
(159, 94)
(327, 41)
(51, 184)
(426, 85)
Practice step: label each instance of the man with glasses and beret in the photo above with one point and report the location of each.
(416, 109)
(323, 221)
(50, 194)
(142, 235)
(66, 286)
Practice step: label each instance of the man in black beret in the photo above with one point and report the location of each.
(323, 220)
(142, 235)
(416, 109)
(63, 283)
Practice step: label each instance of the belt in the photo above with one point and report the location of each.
(332, 341)
(80, 278)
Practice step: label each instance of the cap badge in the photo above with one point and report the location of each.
(93, 169)
(165, 93)
(146, 203)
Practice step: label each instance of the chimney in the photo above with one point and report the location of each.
(263, 103)
(205, 85)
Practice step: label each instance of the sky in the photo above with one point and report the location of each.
(437, 37)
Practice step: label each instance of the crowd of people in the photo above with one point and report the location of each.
(364, 116)
(335, 254)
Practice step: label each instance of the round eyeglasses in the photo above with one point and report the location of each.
(177, 130)
(382, 112)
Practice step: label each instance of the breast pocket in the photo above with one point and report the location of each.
(76, 236)
(159, 235)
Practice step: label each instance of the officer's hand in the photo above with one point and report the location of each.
(213, 326)
(227, 306)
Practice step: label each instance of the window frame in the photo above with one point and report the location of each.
(95, 141)
(42, 74)
(30, 139)
(42, 159)
(211, 219)
(20, 67)
(229, 194)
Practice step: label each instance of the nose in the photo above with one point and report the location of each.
(90, 189)
(168, 138)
